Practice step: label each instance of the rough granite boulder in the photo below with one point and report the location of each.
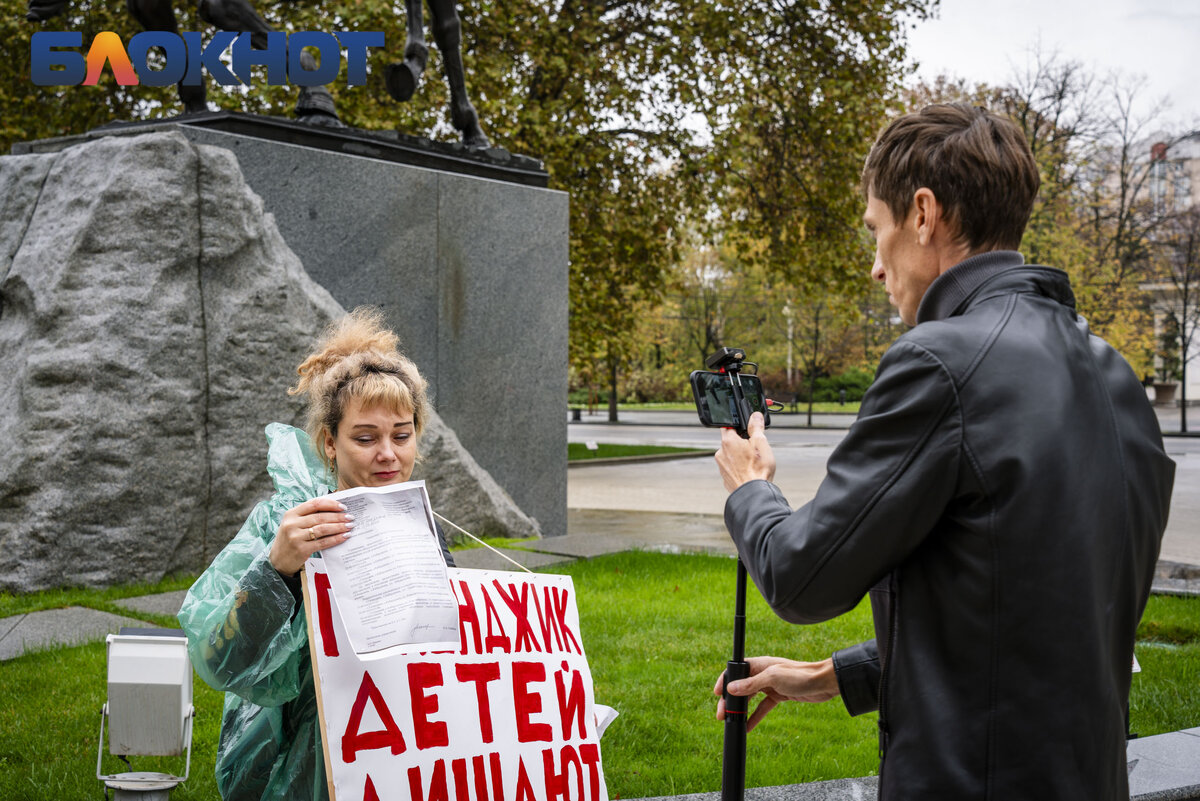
(151, 317)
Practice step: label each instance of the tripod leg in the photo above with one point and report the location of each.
(733, 763)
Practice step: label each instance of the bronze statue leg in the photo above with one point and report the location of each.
(235, 15)
(42, 10)
(402, 78)
(447, 32)
(314, 105)
(159, 15)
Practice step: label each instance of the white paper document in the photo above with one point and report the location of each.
(389, 577)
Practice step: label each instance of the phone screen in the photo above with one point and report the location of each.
(715, 403)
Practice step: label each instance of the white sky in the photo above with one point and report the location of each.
(988, 40)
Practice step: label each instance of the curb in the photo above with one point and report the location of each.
(650, 457)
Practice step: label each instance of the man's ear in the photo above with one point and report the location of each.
(927, 214)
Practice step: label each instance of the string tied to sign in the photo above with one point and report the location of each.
(496, 551)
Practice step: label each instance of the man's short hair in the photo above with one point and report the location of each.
(977, 164)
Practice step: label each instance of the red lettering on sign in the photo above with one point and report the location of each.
(494, 641)
(529, 703)
(468, 615)
(570, 704)
(560, 620)
(424, 676)
(524, 788)
(590, 754)
(471, 782)
(479, 771)
(354, 741)
(525, 641)
(558, 784)
(325, 614)
(546, 620)
(458, 768)
(437, 783)
(497, 778)
(480, 674)
(369, 793)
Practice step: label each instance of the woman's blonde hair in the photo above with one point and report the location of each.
(358, 358)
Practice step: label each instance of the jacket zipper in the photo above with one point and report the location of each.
(883, 673)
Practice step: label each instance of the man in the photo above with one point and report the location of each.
(1002, 496)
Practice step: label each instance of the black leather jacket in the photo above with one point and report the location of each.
(1002, 496)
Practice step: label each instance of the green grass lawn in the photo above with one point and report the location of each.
(656, 629)
(578, 451)
(96, 599)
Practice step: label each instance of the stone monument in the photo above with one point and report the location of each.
(154, 303)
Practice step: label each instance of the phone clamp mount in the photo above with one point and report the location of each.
(729, 360)
(732, 361)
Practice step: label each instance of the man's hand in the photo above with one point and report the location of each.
(741, 460)
(781, 680)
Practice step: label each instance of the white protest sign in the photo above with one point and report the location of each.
(509, 716)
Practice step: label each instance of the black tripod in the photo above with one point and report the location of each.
(733, 765)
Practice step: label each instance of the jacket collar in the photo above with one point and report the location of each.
(949, 293)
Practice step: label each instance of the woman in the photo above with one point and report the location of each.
(244, 616)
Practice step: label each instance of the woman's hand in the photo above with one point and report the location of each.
(780, 680)
(310, 527)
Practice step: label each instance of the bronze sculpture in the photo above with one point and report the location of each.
(314, 104)
(402, 78)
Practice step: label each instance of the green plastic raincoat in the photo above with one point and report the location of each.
(247, 636)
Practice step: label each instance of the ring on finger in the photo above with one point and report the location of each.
(311, 535)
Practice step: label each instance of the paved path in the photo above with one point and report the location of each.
(693, 486)
(1168, 419)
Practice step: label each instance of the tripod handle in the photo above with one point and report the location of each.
(735, 704)
(733, 764)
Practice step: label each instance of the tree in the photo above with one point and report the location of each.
(1178, 288)
(794, 105)
(1093, 217)
(781, 87)
(573, 83)
(718, 298)
(701, 300)
(651, 115)
(1117, 227)
(822, 331)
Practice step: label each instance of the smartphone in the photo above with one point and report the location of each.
(715, 403)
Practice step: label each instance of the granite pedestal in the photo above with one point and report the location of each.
(467, 254)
